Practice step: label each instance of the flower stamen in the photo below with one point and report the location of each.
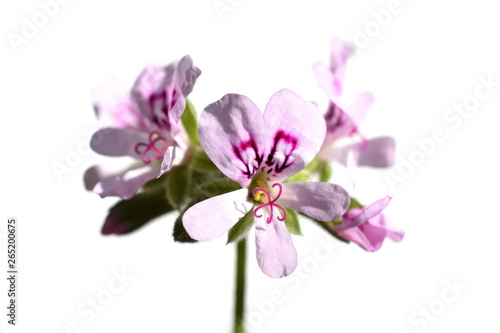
(270, 202)
(154, 138)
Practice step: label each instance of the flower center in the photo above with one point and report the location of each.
(144, 149)
(268, 201)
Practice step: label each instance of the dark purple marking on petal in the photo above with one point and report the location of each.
(338, 123)
(166, 103)
(290, 142)
(243, 147)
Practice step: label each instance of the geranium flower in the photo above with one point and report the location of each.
(367, 226)
(343, 120)
(260, 152)
(144, 125)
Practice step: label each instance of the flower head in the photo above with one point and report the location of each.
(144, 125)
(343, 120)
(260, 151)
(367, 226)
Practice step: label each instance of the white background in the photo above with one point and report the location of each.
(429, 57)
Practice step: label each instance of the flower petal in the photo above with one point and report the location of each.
(371, 211)
(161, 92)
(276, 253)
(327, 81)
(358, 109)
(168, 159)
(296, 130)
(321, 201)
(127, 184)
(368, 237)
(212, 218)
(340, 52)
(391, 232)
(113, 107)
(117, 141)
(232, 133)
(97, 173)
(330, 77)
(378, 152)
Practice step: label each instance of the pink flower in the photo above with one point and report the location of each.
(343, 120)
(367, 226)
(261, 151)
(144, 126)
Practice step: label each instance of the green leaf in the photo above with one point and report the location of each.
(190, 122)
(177, 184)
(218, 186)
(292, 222)
(129, 215)
(239, 230)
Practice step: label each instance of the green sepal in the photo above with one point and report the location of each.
(177, 185)
(239, 230)
(190, 122)
(292, 222)
(180, 234)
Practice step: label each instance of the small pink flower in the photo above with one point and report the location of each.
(367, 226)
(260, 152)
(144, 125)
(343, 120)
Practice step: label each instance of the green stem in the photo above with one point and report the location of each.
(240, 286)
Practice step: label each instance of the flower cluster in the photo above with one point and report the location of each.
(238, 166)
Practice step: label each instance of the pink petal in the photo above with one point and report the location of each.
(327, 81)
(212, 218)
(232, 132)
(168, 158)
(391, 232)
(378, 152)
(97, 173)
(369, 237)
(117, 141)
(340, 52)
(299, 130)
(187, 75)
(321, 201)
(128, 183)
(161, 92)
(371, 211)
(358, 109)
(276, 254)
(113, 107)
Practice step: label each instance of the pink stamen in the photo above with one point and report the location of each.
(154, 138)
(270, 203)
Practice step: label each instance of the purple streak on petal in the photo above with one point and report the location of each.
(241, 148)
(287, 140)
(338, 123)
